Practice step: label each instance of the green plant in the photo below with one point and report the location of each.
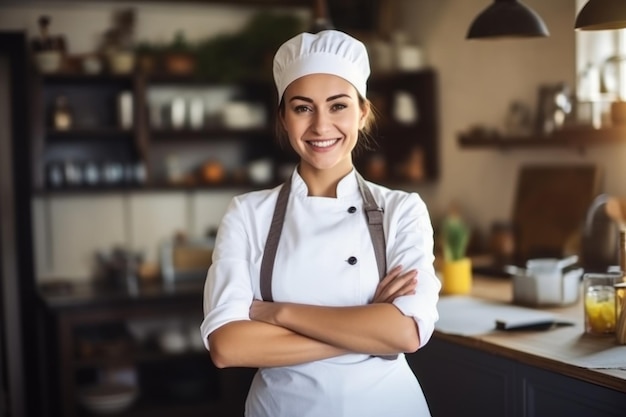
(248, 53)
(145, 48)
(179, 44)
(455, 237)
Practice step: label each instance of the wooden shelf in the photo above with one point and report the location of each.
(148, 188)
(77, 78)
(140, 356)
(581, 137)
(87, 133)
(259, 3)
(206, 134)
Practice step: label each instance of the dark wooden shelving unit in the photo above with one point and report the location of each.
(148, 146)
(68, 313)
(395, 142)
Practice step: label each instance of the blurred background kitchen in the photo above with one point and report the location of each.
(127, 127)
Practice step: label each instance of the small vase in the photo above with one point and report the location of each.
(457, 276)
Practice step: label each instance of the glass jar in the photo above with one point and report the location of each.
(599, 302)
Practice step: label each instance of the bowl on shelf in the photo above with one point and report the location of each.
(108, 398)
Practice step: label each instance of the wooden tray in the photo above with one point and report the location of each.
(550, 206)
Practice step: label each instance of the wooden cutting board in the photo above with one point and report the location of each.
(551, 202)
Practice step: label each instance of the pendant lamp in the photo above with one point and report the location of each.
(507, 19)
(601, 15)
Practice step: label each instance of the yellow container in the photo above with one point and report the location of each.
(456, 277)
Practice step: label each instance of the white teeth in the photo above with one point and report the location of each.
(323, 143)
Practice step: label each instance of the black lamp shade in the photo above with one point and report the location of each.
(602, 15)
(507, 19)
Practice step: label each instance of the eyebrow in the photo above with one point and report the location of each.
(308, 100)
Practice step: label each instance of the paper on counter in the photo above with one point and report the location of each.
(611, 358)
(467, 316)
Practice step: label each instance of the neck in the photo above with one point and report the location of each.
(322, 183)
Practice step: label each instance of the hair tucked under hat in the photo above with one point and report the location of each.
(327, 52)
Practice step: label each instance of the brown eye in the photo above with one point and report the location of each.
(302, 109)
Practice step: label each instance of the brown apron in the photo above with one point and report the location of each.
(374, 215)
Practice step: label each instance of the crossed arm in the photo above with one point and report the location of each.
(282, 334)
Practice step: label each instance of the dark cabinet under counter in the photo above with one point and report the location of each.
(149, 340)
(521, 373)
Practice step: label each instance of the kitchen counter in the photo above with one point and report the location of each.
(553, 349)
(519, 373)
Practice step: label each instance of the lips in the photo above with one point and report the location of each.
(323, 143)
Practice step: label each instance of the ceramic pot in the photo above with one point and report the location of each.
(457, 276)
(48, 61)
(180, 63)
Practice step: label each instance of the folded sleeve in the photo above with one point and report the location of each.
(410, 244)
(228, 290)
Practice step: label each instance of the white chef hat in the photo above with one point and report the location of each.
(326, 52)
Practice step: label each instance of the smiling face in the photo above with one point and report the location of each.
(322, 117)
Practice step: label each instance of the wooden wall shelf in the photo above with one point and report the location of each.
(581, 138)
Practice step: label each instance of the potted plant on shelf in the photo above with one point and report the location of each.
(179, 56)
(117, 43)
(456, 267)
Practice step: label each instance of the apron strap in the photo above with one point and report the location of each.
(271, 244)
(374, 215)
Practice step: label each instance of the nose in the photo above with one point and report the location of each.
(321, 122)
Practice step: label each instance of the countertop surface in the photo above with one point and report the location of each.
(557, 349)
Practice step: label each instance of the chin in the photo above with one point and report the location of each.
(329, 165)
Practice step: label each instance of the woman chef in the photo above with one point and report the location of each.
(324, 282)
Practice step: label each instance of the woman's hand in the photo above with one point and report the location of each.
(395, 284)
(264, 311)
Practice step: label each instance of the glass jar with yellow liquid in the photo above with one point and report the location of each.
(599, 302)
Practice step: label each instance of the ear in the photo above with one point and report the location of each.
(281, 117)
(365, 112)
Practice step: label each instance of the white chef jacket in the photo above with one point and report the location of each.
(319, 235)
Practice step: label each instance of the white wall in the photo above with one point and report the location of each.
(69, 229)
(478, 80)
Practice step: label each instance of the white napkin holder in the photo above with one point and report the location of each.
(545, 282)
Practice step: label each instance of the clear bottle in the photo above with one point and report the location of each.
(589, 83)
(62, 115)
